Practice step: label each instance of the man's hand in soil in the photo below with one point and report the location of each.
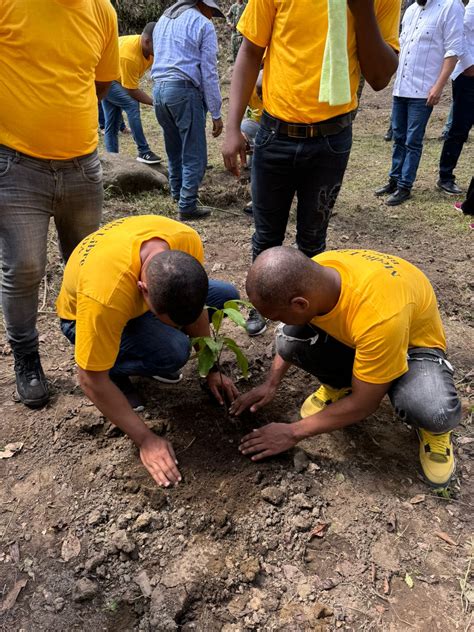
(267, 441)
(222, 386)
(256, 398)
(158, 457)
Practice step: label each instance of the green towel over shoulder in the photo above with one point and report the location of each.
(335, 87)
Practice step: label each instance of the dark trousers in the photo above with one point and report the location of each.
(311, 168)
(463, 120)
(425, 396)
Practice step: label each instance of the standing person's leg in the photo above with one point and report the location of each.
(418, 117)
(26, 199)
(462, 122)
(320, 168)
(173, 144)
(101, 116)
(121, 99)
(273, 188)
(191, 122)
(112, 118)
(398, 129)
(78, 200)
(316, 352)
(425, 397)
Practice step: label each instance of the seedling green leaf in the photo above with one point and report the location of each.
(240, 357)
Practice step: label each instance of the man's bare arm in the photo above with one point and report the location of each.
(436, 91)
(244, 77)
(140, 95)
(378, 61)
(156, 453)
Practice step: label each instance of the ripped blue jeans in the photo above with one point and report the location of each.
(310, 168)
(424, 396)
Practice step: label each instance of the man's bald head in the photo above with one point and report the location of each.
(280, 274)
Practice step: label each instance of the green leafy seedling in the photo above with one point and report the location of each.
(209, 348)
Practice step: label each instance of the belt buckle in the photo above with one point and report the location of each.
(313, 131)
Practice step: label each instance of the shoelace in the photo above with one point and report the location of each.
(29, 366)
(439, 445)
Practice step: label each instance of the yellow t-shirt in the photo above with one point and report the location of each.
(132, 63)
(386, 306)
(50, 53)
(99, 289)
(295, 33)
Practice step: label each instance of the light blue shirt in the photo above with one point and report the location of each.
(186, 48)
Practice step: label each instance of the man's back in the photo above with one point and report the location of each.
(51, 52)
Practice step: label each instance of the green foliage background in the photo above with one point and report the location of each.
(134, 14)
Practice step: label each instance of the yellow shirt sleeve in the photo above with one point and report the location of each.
(129, 76)
(98, 334)
(388, 17)
(381, 354)
(108, 68)
(256, 23)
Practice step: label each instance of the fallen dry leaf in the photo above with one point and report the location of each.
(10, 450)
(444, 536)
(15, 552)
(465, 440)
(419, 498)
(319, 530)
(408, 580)
(12, 596)
(71, 547)
(386, 586)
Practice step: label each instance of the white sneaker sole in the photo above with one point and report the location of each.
(165, 380)
(149, 162)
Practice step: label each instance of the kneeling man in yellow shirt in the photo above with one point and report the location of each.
(133, 293)
(366, 324)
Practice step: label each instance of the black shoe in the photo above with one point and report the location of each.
(401, 195)
(130, 392)
(248, 209)
(448, 186)
(388, 135)
(31, 384)
(388, 188)
(169, 378)
(256, 323)
(200, 212)
(149, 158)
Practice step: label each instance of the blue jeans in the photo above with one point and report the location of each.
(32, 192)
(409, 120)
(148, 346)
(117, 100)
(313, 168)
(463, 120)
(181, 112)
(424, 396)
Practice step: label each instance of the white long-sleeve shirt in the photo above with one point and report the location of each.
(429, 35)
(467, 58)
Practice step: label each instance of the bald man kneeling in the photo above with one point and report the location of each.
(366, 324)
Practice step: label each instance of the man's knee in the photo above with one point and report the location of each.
(24, 275)
(290, 338)
(179, 351)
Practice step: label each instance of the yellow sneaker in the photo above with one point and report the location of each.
(436, 457)
(318, 400)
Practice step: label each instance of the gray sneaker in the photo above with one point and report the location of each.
(149, 158)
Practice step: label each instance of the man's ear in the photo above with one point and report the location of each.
(142, 288)
(299, 303)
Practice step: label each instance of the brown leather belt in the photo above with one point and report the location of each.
(328, 127)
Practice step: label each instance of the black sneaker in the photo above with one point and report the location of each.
(31, 384)
(401, 195)
(200, 212)
(169, 378)
(130, 392)
(256, 323)
(448, 186)
(149, 158)
(388, 135)
(248, 209)
(388, 188)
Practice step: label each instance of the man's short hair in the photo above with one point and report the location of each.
(148, 30)
(177, 286)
